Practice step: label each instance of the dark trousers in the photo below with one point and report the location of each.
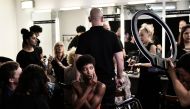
(108, 100)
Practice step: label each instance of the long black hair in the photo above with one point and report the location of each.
(25, 36)
(181, 40)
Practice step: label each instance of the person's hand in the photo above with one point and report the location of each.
(119, 82)
(137, 64)
(50, 58)
(131, 62)
(171, 66)
(93, 81)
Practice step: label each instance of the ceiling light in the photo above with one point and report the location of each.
(70, 8)
(140, 2)
(161, 7)
(104, 5)
(43, 10)
(27, 4)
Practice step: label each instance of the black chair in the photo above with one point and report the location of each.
(131, 103)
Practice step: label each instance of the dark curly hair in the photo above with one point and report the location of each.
(36, 28)
(84, 60)
(80, 28)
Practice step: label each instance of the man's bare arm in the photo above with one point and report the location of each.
(120, 63)
(120, 67)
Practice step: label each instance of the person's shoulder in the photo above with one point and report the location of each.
(21, 53)
(76, 37)
(110, 32)
(100, 85)
(151, 45)
(84, 35)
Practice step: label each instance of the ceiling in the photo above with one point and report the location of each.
(53, 4)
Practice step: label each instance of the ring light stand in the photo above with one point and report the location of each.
(154, 59)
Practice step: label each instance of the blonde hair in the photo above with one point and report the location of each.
(55, 46)
(71, 55)
(149, 28)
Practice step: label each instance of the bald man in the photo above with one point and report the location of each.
(103, 45)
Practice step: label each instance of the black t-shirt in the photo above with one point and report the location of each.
(180, 51)
(25, 58)
(74, 42)
(101, 44)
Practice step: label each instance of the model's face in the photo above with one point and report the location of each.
(144, 36)
(33, 40)
(184, 77)
(59, 48)
(186, 35)
(88, 71)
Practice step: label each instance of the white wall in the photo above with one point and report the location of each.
(25, 18)
(46, 37)
(69, 20)
(8, 28)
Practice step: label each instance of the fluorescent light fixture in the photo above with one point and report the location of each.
(104, 5)
(43, 10)
(140, 2)
(27, 4)
(156, 8)
(70, 8)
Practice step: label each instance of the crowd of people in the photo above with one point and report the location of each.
(92, 73)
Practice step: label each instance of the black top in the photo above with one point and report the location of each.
(74, 42)
(148, 85)
(180, 51)
(131, 49)
(58, 70)
(101, 44)
(25, 58)
(144, 70)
